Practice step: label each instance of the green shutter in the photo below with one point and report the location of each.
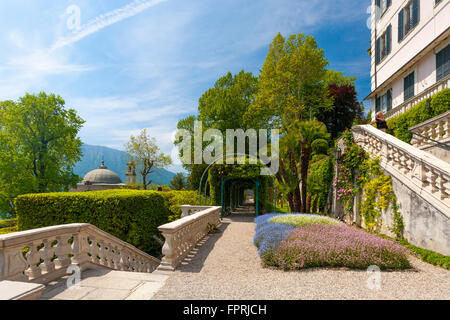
(416, 12)
(388, 39)
(377, 49)
(400, 25)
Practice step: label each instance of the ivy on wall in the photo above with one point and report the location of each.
(359, 173)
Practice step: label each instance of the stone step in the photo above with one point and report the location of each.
(14, 290)
(104, 284)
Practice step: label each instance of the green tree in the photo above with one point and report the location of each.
(38, 146)
(291, 85)
(178, 182)
(221, 107)
(224, 106)
(146, 155)
(293, 88)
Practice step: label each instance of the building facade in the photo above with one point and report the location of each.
(410, 52)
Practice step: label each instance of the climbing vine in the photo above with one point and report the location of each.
(358, 173)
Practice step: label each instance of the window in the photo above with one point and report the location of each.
(383, 45)
(383, 5)
(408, 18)
(443, 63)
(436, 2)
(384, 102)
(408, 87)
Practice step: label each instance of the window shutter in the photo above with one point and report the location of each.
(389, 99)
(446, 61)
(388, 39)
(439, 65)
(400, 25)
(377, 104)
(377, 49)
(416, 13)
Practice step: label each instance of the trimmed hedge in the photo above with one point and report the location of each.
(424, 110)
(131, 215)
(176, 198)
(8, 223)
(8, 230)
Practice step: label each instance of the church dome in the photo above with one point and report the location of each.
(101, 176)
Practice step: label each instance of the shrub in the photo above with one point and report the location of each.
(174, 199)
(8, 223)
(336, 246)
(8, 230)
(132, 216)
(424, 110)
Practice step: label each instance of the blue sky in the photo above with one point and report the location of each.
(138, 64)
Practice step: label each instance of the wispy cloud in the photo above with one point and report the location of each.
(107, 19)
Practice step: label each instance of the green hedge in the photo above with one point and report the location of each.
(8, 230)
(8, 223)
(424, 110)
(176, 198)
(130, 215)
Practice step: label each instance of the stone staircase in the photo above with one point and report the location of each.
(80, 261)
(421, 182)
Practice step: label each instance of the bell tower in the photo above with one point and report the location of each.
(131, 173)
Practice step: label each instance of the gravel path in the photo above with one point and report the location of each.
(227, 266)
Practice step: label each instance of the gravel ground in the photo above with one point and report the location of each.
(227, 266)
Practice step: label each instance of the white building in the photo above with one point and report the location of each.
(410, 53)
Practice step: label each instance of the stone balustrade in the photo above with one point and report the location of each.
(182, 235)
(42, 255)
(437, 129)
(427, 93)
(187, 210)
(422, 172)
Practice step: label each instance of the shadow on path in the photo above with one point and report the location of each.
(195, 260)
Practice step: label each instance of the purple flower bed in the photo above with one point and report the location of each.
(268, 235)
(335, 246)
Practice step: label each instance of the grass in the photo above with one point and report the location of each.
(428, 256)
(298, 220)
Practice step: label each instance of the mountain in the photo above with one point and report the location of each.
(116, 161)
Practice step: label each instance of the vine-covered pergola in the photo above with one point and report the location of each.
(227, 183)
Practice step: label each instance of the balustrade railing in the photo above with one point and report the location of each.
(421, 171)
(42, 255)
(182, 235)
(187, 210)
(427, 93)
(437, 129)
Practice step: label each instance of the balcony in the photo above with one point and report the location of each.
(427, 93)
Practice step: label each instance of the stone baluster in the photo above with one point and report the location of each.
(62, 251)
(101, 253)
(434, 181)
(47, 253)
(33, 258)
(93, 250)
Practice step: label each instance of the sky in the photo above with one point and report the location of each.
(125, 65)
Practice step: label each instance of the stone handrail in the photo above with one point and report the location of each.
(427, 93)
(182, 235)
(187, 210)
(42, 255)
(437, 129)
(419, 170)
